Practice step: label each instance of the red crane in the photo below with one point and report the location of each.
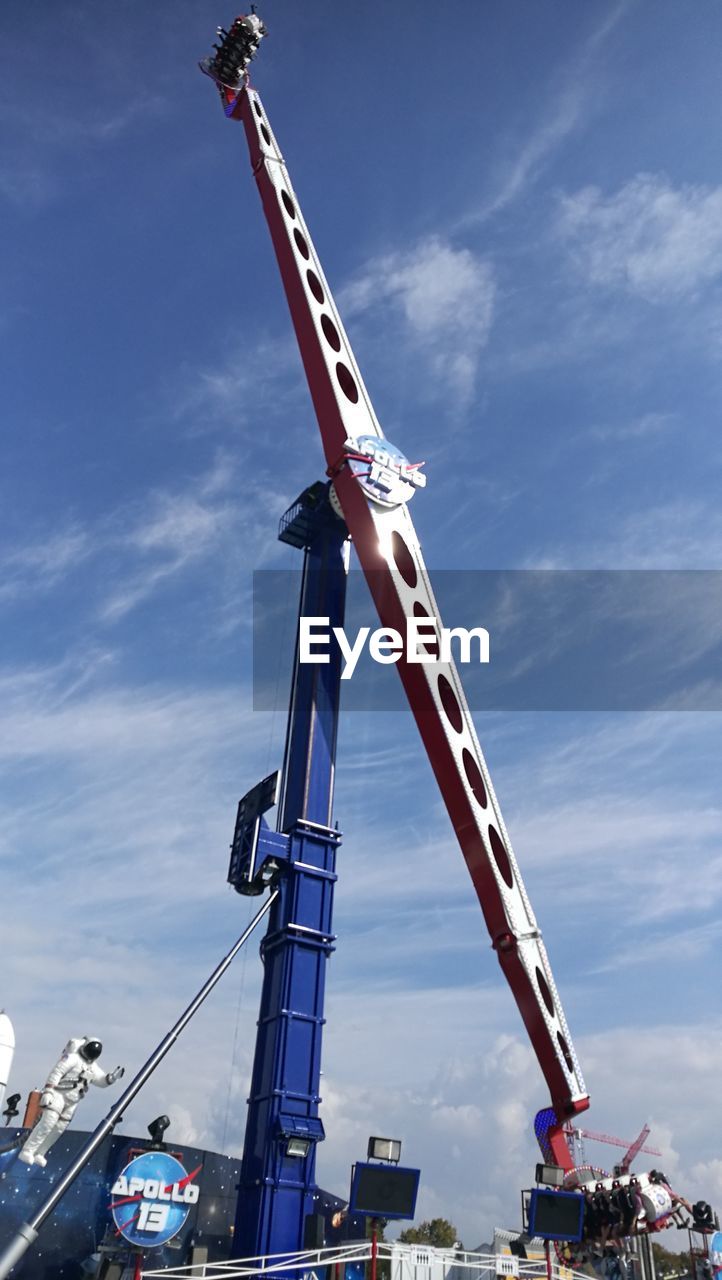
(632, 1148)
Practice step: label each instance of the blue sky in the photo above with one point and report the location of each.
(519, 207)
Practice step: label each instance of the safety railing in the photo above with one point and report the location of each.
(407, 1263)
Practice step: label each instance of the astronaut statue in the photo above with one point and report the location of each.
(67, 1083)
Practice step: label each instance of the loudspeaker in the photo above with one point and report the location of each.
(111, 1270)
(314, 1227)
(199, 1256)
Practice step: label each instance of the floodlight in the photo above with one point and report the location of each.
(388, 1149)
(550, 1175)
(298, 1147)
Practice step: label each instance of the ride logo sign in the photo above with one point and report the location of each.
(152, 1197)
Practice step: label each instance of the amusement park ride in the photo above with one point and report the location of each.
(370, 485)
(364, 502)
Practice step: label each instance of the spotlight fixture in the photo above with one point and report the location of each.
(299, 1147)
(11, 1107)
(549, 1175)
(388, 1149)
(704, 1217)
(156, 1129)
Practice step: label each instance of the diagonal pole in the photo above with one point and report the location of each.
(27, 1233)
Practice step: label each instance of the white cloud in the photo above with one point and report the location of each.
(461, 1097)
(650, 238)
(630, 1082)
(685, 533)
(653, 877)
(122, 800)
(181, 529)
(169, 532)
(128, 554)
(708, 1174)
(34, 141)
(466, 1107)
(645, 426)
(37, 566)
(566, 112)
(176, 531)
(563, 117)
(446, 297)
(254, 383)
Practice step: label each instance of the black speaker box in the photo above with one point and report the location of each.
(313, 1231)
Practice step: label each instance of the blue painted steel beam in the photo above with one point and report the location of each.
(276, 1189)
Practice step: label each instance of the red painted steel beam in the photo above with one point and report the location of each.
(390, 556)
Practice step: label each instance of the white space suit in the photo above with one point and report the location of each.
(67, 1083)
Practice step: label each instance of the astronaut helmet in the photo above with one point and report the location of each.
(90, 1049)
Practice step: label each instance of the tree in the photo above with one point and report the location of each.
(670, 1264)
(438, 1232)
(381, 1225)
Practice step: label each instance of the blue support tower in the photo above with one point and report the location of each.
(283, 1127)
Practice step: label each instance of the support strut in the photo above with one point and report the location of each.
(27, 1233)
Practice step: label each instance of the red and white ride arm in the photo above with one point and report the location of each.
(390, 555)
